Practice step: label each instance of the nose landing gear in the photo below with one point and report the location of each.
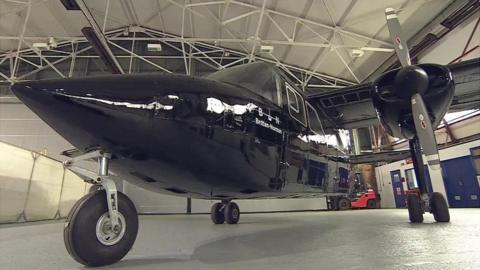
(225, 211)
(102, 226)
(420, 201)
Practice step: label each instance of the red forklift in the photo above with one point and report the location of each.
(369, 199)
(359, 197)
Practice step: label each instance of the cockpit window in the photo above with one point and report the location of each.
(258, 77)
(314, 120)
(296, 105)
(292, 100)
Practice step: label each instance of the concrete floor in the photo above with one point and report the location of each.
(363, 239)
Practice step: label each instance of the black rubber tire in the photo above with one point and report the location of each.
(439, 207)
(69, 217)
(415, 211)
(344, 204)
(371, 204)
(80, 230)
(216, 213)
(232, 213)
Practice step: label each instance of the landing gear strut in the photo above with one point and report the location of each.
(225, 211)
(102, 226)
(421, 200)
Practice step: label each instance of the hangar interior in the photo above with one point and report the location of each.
(321, 45)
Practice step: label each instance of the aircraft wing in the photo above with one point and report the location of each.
(352, 107)
(384, 156)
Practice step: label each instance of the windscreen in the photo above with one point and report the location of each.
(258, 77)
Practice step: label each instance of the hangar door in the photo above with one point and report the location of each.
(397, 185)
(461, 181)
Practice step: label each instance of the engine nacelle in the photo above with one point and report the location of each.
(393, 104)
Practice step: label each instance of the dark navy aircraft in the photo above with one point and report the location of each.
(240, 133)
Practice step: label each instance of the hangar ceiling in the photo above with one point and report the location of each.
(312, 40)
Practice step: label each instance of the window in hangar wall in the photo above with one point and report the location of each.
(476, 162)
(317, 173)
(412, 178)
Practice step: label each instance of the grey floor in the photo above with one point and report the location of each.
(362, 239)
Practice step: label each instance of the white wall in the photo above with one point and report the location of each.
(384, 180)
(21, 127)
(452, 45)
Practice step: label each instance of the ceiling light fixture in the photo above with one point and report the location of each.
(41, 45)
(374, 49)
(357, 53)
(266, 49)
(154, 47)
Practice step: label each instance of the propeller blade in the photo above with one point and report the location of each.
(397, 37)
(425, 133)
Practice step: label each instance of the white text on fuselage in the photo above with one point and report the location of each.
(267, 125)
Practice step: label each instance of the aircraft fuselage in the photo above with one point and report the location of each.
(189, 136)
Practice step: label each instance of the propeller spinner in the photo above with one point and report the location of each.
(412, 82)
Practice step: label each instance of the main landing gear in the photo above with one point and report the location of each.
(421, 200)
(225, 211)
(102, 226)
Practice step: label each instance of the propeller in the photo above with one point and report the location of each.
(411, 82)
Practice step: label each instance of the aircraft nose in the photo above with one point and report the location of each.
(30, 94)
(42, 98)
(20, 89)
(92, 112)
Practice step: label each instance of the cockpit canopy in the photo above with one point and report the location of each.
(269, 82)
(262, 78)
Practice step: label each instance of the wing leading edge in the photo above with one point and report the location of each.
(352, 107)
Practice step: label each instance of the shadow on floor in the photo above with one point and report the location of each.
(257, 245)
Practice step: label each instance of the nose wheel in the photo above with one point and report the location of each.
(415, 208)
(89, 235)
(437, 205)
(102, 226)
(222, 212)
(421, 200)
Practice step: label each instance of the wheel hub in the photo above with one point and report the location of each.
(107, 234)
(235, 213)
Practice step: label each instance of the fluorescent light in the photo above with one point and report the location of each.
(373, 49)
(357, 53)
(154, 47)
(266, 49)
(40, 45)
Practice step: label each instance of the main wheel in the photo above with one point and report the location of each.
(217, 213)
(89, 236)
(232, 213)
(371, 204)
(344, 203)
(439, 207)
(415, 211)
